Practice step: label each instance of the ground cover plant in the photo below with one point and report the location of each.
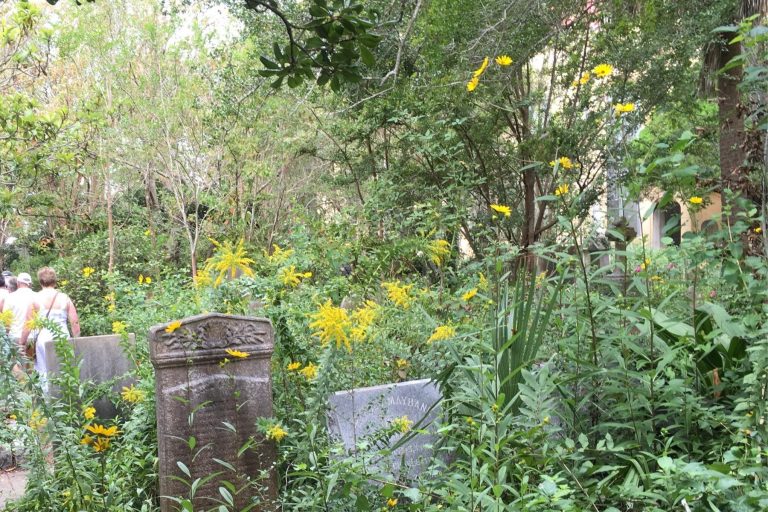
(555, 212)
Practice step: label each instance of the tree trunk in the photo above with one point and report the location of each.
(730, 118)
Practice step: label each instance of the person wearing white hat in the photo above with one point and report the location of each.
(19, 303)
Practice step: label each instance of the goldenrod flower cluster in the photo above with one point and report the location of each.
(6, 317)
(276, 433)
(89, 413)
(442, 332)
(278, 255)
(399, 293)
(228, 259)
(110, 300)
(291, 278)
(332, 324)
(362, 319)
(132, 395)
(469, 294)
(402, 424)
(438, 250)
(119, 327)
(309, 372)
(37, 421)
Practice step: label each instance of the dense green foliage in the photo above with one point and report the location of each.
(437, 211)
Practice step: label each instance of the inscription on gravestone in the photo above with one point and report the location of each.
(216, 404)
(358, 415)
(101, 359)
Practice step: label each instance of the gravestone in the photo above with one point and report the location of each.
(101, 359)
(357, 415)
(208, 402)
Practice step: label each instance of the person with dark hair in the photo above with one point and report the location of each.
(3, 290)
(11, 284)
(54, 305)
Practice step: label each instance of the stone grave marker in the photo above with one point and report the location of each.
(358, 414)
(101, 359)
(207, 410)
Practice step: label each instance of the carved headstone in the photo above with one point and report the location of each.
(208, 402)
(101, 359)
(357, 417)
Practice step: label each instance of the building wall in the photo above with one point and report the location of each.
(653, 225)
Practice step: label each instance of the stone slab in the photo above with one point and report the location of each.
(214, 399)
(357, 415)
(101, 359)
(12, 485)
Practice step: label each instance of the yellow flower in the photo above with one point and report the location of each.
(110, 297)
(362, 318)
(401, 363)
(132, 394)
(623, 108)
(101, 430)
(237, 353)
(37, 421)
(479, 71)
(645, 264)
(468, 295)
(293, 366)
(147, 280)
(101, 444)
(89, 413)
(87, 271)
(392, 502)
(562, 190)
(602, 70)
(500, 208)
(585, 78)
(402, 424)
(472, 84)
(228, 259)
(442, 332)
(119, 327)
(504, 60)
(483, 283)
(173, 326)
(276, 433)
(470, 421)
(86, 440)
(6, 317)
(309, 372)
(696, 200)
(399, 294)
(563, 162)
(541, 277)
(147, 232)
(278, 255)
(758, 230)
(202, 279)
(438, 250)
(332, 325)
(290, 277)
(63, 282)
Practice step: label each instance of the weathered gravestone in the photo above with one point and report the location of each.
(207, 410)
(359, 415)
(101, 359)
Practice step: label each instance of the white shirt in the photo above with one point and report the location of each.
(19, 302)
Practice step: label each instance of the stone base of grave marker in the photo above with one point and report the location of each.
(208, 402)
(359, 415)
(101, 359)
